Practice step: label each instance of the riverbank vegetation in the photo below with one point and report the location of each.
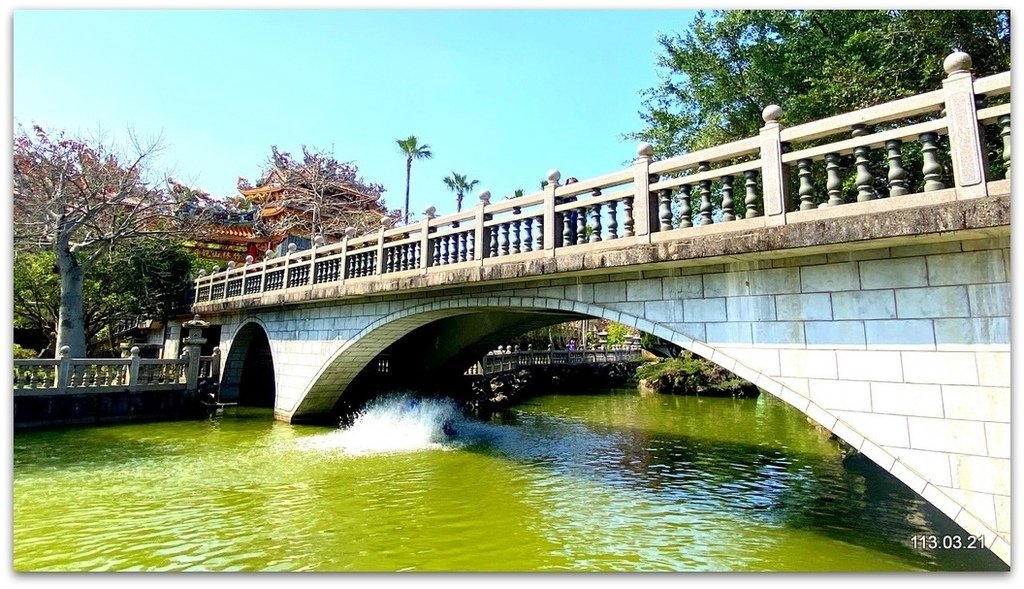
(691, 375)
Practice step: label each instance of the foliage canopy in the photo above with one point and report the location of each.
(718, 75)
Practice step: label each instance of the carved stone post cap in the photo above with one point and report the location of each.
(216, 351)
(350, 232)
(215, 270)
(430, 212)
(771, 113)
(485, 197)
(644, 149)
(231, 264)
(195, 323)
(64, 351)
(268, 254)
(291, 248)
(554, 176)
(135, 351)
(385, 222)
(249, 260)
(318, 240)
(202, 273)
(958, 61)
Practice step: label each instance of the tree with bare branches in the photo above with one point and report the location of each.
(81, 199)
(314, 195)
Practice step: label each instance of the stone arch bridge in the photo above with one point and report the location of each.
(883, 314)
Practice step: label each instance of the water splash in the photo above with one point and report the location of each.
(395, 423)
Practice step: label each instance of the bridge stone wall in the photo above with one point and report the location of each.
(902, 351)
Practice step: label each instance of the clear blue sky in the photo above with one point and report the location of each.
(501, 96)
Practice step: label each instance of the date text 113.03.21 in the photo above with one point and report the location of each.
(926, 542)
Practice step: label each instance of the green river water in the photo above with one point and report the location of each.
(612, 482)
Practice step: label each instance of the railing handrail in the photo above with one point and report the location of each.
(752, 171)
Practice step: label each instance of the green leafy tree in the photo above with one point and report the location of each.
(413, 151)
(460, 185)
(151, 279)
(720, 73)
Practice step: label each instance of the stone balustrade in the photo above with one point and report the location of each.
(504, 359)
(67, 375)
(782, 176)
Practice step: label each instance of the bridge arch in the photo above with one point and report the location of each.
(350, 356)
(249, 367)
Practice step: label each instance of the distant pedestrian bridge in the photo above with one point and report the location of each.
(856, 267)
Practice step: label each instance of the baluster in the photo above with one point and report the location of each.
(580, 215)
(463, 246)
(389, 264)
(705, 195)
(436, 252)
(538, 243)
(897, 175)
(595, 219)
(727, 214)
(453, 248)
(931, 167)
(444, 250)
(834, 183)
(627, 216)
(1004, 132)
(514, 245)
(613, 225)
(493, 242)
(470, 245)
(685, 212)
(864, 179)
(750, 182)
(409, 258)
(528, 234)
(665, 210)
(357, 270)
(806, 187)
(503, 251)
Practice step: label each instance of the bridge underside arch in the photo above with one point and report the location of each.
(249, 368)
(513, 315)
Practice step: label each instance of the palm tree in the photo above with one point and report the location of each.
(412, 151)
(459, 184)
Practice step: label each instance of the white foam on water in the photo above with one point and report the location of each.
(394, 423)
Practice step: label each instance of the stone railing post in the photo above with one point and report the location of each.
(202, 274)
(133, 368)
(965, 148)
(644, 211)
(426, 255)
(318, 242)
(552, 220)
(481, 243)
(215, 365)
(350, 232)
(287, 265)
(385, 223)
(267, 256)
(772, 179)
(193, 345)
(63, 376)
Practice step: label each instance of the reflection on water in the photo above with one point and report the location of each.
(599, 482)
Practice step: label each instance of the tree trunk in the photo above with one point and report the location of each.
(408, 175)
(71, 317)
